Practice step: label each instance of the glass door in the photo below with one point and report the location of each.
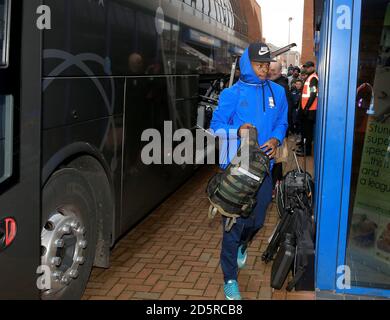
(368, 237)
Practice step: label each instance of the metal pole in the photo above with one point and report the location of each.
(289, 40)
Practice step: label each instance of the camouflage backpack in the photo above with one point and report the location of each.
(232, 193)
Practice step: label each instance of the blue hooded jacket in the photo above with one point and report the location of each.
(261, 103)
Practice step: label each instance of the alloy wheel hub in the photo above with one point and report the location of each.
(63, 242)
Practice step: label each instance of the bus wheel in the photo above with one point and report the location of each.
(68, 237)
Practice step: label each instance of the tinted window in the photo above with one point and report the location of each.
(6, 142)
(368, 251)
(4, 29)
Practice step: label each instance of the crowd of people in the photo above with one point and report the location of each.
(301, 88)
(302, 96)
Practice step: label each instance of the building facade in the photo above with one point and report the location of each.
(308, 45)
(255, 25)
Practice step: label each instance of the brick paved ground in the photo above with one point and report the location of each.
(174, 254)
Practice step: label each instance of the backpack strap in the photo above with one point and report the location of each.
(229, 223)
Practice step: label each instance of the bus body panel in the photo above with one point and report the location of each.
(109, 75)
(88, 32)
(20, 195)
(102, 74)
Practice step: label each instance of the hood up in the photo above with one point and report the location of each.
(248, 75)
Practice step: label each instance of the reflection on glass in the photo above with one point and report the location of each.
(368, 252)
(2, 134)
(199, 5)
(213, 13)
(6, 143)
(3, 32)
(206, 7)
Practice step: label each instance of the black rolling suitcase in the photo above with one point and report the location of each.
(303, 270)
(283, 262)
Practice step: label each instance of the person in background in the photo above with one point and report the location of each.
(309, 107)
(290, 70)
(275, 75)
(296, 96)
(303, 75)
(294, 76)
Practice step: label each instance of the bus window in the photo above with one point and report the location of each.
(199, 5)
(6, 137)
(368, 250)
(206, 7)
(6, 105)
(213, 12)
(4, 32)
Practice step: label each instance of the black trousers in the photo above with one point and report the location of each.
(309, 120)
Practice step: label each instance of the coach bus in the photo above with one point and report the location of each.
(79, 82)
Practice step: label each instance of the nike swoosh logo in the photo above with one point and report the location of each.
(263, 53)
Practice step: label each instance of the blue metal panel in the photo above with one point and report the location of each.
(338, 71)
(349, 133)
(366, 292)
(323, 66)
(332, 125)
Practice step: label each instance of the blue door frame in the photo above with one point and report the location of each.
(337, 67)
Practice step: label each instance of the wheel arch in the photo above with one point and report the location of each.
(89, 161)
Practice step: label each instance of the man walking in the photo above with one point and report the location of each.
(252, 101)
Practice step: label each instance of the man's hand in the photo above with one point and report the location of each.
(270, 147)
(245, 126)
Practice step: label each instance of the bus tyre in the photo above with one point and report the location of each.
(68, 237)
